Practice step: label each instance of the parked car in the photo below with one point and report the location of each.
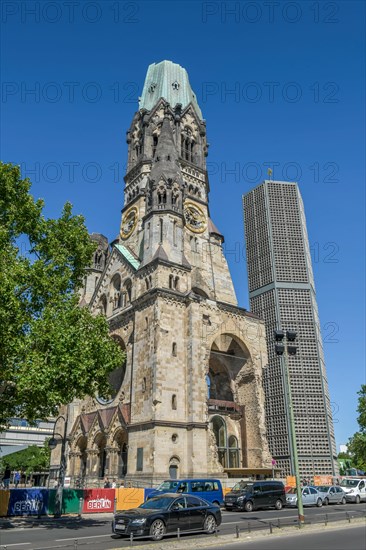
(208, 489)
(250, 496)
(332, 494)
(165, 514)
(310, 497)
(355, 489)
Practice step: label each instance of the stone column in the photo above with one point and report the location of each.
(112, 458)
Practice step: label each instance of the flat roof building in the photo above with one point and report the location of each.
(282, 292)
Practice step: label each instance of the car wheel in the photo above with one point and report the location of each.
(319, 502)
(278, 504)
(358, 500)
(344, 500)
(326, 501)
(210, 524)
(248, 507)
(157, 529)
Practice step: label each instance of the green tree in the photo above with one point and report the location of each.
(32, 459)
(357, 443)
(51, 350)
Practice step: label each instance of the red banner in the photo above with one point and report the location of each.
(98, 500)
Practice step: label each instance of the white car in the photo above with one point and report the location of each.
(355, 489)
(310, 497)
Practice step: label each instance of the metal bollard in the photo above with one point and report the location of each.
(115, 506)
(80, 506)
(249, 527)
(75, 544)
(326, 519)
(270, 527)
(237, 531)
(279, 523)
(216, 535)
(131, 539)
(348, 517)
(178, 533)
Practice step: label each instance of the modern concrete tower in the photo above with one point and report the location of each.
(282, 292)
(189, 401)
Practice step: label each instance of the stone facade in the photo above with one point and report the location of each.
(189, 399)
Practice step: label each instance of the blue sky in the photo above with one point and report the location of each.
(279, 83)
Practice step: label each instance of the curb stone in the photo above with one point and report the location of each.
(223, 540)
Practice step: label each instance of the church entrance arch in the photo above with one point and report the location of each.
(120, 442)
(100, 445)
(80, 466)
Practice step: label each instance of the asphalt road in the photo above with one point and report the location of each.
(337, 539)
(95, 532)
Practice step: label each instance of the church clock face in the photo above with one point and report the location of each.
(194, 217)
(129, 222)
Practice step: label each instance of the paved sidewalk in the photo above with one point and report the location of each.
(33, 520)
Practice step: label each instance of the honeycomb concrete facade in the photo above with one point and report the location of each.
(282, 291)
(189, 400)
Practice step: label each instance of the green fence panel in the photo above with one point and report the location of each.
(70, 500)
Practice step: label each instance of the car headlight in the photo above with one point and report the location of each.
(240, 498)
(139, 521)
(351, 491)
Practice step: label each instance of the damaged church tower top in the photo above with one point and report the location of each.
(170, 81)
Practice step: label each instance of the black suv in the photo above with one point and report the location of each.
(251, 495)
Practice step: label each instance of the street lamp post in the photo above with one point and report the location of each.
(61, 475)
(284, 351)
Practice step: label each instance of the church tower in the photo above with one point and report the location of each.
(189, 399)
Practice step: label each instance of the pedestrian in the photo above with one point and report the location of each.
(107, 484)
(114, 484)
(6, 477)
(16, 479)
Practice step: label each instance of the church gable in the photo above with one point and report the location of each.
(114, 289)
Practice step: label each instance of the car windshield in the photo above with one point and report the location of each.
(157, 503)
(323, 488)
(242, 486)
(349, 482)
(168, 486)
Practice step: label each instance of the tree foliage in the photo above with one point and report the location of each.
(357, 443)
(51, 350)
(29, 460)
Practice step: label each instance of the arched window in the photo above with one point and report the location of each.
(227, 447)
(127, 287)
(233, 452)
(175, 233)
(219, 429)
(171, 281)
(174, 402)
(116, 290)
(161, 229)
(176, 283)
(174, 349)
(155, 144)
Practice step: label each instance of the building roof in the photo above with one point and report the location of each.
(170, 81)
(128, 256)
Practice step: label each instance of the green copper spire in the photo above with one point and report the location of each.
(170, 81)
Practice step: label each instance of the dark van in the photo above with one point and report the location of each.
(251, 495)
(208, 489)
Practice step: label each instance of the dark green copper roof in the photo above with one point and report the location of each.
(170, 81)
